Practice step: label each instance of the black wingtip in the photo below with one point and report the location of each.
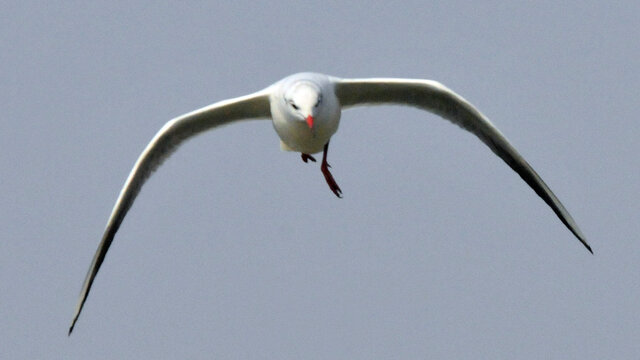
(583, 240)
(71, 327)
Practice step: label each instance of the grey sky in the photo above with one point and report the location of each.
(235, 249)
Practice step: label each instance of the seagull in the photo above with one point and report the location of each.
(305, 110)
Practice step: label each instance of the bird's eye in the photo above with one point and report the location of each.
(294, 106)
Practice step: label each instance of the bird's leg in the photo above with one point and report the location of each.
(307, 157)
(327, 174)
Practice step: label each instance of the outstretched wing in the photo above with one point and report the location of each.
(435, 97)
(170, 136)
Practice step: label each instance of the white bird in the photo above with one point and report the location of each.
(305, 109)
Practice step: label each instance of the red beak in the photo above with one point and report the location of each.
(310, 121)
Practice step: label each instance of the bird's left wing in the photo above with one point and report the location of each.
(435, 97)
(170, 136)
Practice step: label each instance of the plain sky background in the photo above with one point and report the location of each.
(236, 250)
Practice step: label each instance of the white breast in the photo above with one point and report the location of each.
(292, 129)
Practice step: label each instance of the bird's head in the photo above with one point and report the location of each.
(303, 100)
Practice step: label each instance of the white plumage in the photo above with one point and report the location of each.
(305, 109)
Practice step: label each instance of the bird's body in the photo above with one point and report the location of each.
(303, 88)
(305, 109)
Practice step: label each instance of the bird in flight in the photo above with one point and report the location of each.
(305, 110)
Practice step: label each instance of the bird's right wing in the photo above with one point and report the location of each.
(170, 136)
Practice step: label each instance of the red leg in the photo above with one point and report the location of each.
(327, 174)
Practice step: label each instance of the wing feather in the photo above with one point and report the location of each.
(435, 97)
(170, 136)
